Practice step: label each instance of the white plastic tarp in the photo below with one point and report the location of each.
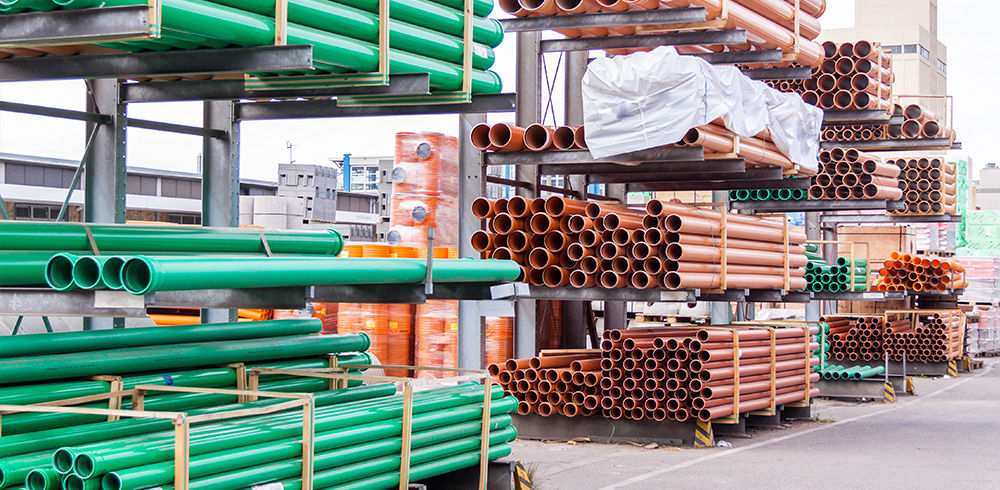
(645, 100)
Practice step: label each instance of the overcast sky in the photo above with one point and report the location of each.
(973, 69)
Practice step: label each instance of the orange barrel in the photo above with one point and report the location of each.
(352, 250)
(375, 321)
(404, 252)
(426, 163)
(499, 339)
(348, 318)
(327, 313)
(400, 334)
(430, 336)
(451, 336)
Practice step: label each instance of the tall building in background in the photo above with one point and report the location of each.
(909, 29)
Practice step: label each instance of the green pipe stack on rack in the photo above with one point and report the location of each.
(821, 276)
(768, 195)
(835, 371)
(425, 36)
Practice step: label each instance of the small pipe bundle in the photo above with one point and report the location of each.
(860, 341)
(853, 76)
(758, 151)
(851, 174)
(560, 242)
(770, 24)
(905, 272)
(796, 86)
(425, 36)
(937, 337)
(680, 373)
(920, 123)
(929, 185)
(834, 371)
(837, 277)
(856, 132)
(768, 195)
(567, 385)
(537, 137)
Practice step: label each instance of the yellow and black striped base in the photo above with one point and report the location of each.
(910, 388)
(522, 482)
(889, 393)
(952, 369)
(703, 436)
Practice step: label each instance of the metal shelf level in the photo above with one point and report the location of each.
(883, 218)
(520, 290)
(923, 144)
(859, 117)
(818, 205)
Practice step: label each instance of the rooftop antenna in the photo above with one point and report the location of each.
(290, 145)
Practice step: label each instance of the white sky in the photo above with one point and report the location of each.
(973, 68)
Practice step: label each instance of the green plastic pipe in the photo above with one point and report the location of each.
(784, 194)
(177, 356)
(870, 371)
(111, 272)
(14, 469)
(248, 465)
(144, 275)
(59, 271)
(423, 471)
(72, 237)
(43, 479)
(844, 261)
(23, 268)
(93, 340)
(812, 247)
(480, 8)
(798, 194)
(88, 272)
(350, 22)
(227, 435)
(431, 15)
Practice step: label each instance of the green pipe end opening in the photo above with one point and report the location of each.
(59, 272)
(84, 466)
(137, 275)
(111, 481)
(62, 460)
(111, 272)
(87, 273)
(39, 479)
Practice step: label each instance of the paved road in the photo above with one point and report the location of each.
(947, 437)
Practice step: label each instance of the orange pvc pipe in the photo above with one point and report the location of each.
(712, 255)
(538, 137)
(481, 138)
(710, 227)
(563, 138)
(691, 280)
(507, 137)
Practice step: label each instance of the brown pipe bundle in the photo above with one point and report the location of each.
(921, 123)
(858, 132)
(853, 76)
(771, 24)
(556, 384)
(680, 373)
(563, 242)
(931, 337)
(905, 272)
(862, 341)
(851, 174)
(928, 185)
(757, 151)
(537, 137)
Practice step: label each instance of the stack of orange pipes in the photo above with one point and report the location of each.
(856, 132)
(851, 174)
(936, 338)
(929, 185)
(681, 373)
(537, 137)
(770, 24)
(920, 123)
(853, 76)
(563, 242)
(567, 385)
(905, 272)
(758, 151)
(862, 341)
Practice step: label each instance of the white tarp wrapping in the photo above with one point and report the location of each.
(645, 100)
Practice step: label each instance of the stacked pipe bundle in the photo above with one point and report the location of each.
(568, 385)
(770, 24)
(425, 36)
(758, 151)
(679, 373)
(851, 174)
(859, 339)
(560, 242)
(537, 137)
(836, 278)
(932, 337)
(768, 195)
(855, 132)
(357, 444)
(920, 123)
(928, 184)
(853, 76)
(834, 371)
(905, 272)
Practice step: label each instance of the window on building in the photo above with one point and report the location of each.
(36, 212)
(894, 49)
(37, 175)
(140, 185)
(184, 219)
(909, 48)
(925, 53)
(942, 66)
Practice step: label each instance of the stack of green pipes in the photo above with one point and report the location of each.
(56, 254)
(821, 276)
(768, 195)
(425, 36)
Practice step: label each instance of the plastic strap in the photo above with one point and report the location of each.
(807, 361)
(90, 238)
(263, 240)
(774, 380)
(736, 372)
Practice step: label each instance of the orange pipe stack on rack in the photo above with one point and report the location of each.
(563, 242)
(851, 174)
(537, 137)
(937, 337)
(856, 132)
(853, 76)
(920, 123)
(905, 272)
(862, 341)
(771, 24)
(567, 385)
(928, 184)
